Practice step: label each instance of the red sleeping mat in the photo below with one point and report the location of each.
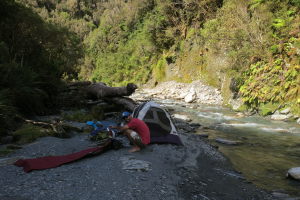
(55, 161)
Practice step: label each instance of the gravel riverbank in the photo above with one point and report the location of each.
(193, 171)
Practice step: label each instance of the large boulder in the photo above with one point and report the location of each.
(280, 117)
(191, 96)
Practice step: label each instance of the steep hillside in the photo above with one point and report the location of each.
(248, 49)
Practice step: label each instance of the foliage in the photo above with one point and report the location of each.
(159, 70)
(34, 56)
(253, 41)
(272, 84)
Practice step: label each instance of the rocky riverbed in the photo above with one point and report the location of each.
(196, 92)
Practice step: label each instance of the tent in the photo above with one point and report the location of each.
(159, 121)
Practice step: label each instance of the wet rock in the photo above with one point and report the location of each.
(203, 135)
(195, 125)
(294, 173)
(228, 142)
(280, 195)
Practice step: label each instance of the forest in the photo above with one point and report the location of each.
(249, 49)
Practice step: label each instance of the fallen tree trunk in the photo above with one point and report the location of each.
(128, 103)
(101, 90)
(113, 94)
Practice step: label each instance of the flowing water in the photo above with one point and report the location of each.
(268, 148)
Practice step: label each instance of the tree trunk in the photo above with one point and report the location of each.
(113, 94)
(101, 90)
(128, 103)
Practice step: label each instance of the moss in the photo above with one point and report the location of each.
(268, 108)
(28, 133)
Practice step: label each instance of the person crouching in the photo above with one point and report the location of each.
(136, 131)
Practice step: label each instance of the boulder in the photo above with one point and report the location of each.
(294, 173)
(298, 121)
(279, 117)
(191, 96)
(285, 111)
(182, 117)
(205, 135)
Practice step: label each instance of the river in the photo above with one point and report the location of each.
(268, 148)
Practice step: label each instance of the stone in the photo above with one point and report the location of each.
(279, 117)
(235, 103)
(195, 125)
(191, 96)
(294, 173)
(280, 195)
(285, 111)
(225, 141)
(298, 121)
(203, 135)
(130, 163)
(182, 117)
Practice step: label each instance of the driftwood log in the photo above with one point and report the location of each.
(113, 94)
(101, 90)
(128, 103)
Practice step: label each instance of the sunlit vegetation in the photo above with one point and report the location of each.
(249, 48)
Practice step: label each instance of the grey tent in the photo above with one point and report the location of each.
(159, 121)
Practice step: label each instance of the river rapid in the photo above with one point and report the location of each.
(267, 149)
